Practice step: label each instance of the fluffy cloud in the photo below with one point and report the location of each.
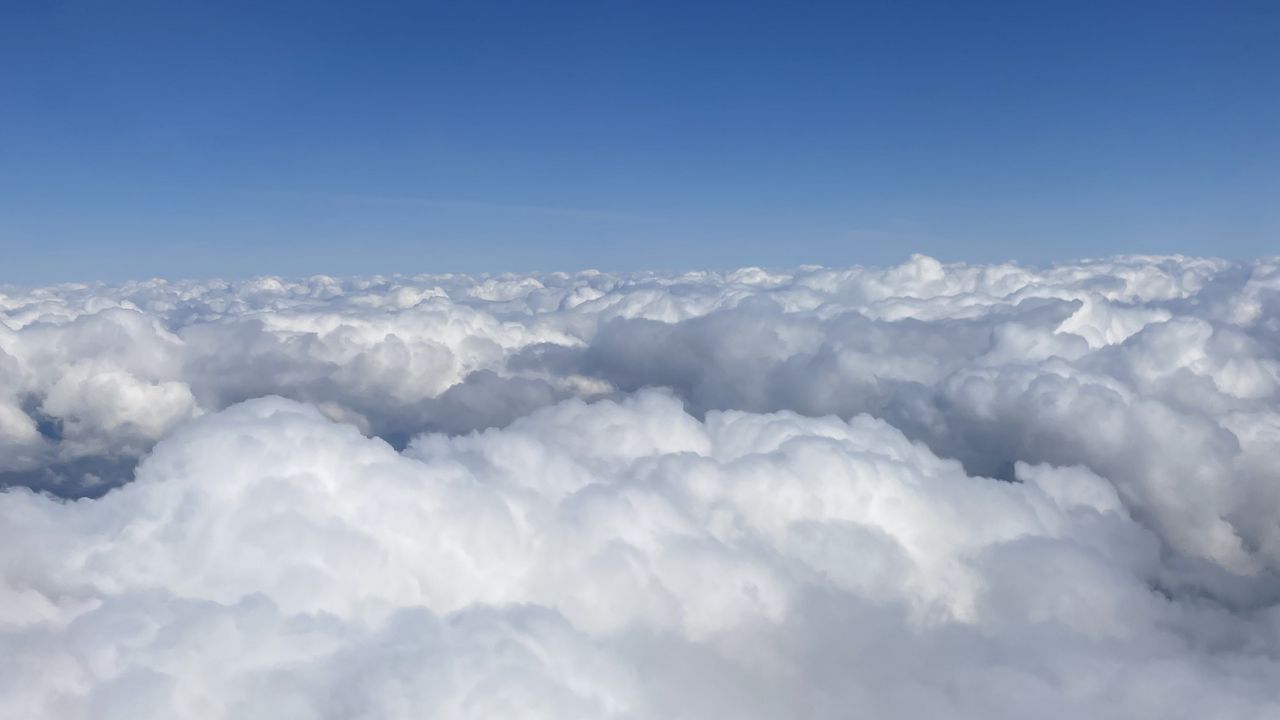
(613, 559)
(927, 490)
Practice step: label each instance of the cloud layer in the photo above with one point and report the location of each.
(926, 490)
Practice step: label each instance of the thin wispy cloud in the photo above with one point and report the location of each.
(455, 205)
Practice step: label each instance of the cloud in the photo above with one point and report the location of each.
(926, 490)
(268, 558)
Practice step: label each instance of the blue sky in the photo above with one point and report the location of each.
(191, 139)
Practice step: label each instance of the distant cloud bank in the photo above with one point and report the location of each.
(930, 490)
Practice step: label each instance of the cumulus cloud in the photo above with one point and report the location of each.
(925, 490)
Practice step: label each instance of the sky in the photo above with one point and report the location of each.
(195, 139)
(891, 475)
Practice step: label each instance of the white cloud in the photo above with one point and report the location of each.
(806, 521)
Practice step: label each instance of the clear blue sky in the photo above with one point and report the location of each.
(195, 138)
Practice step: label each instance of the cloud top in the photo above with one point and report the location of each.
(926, 490)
